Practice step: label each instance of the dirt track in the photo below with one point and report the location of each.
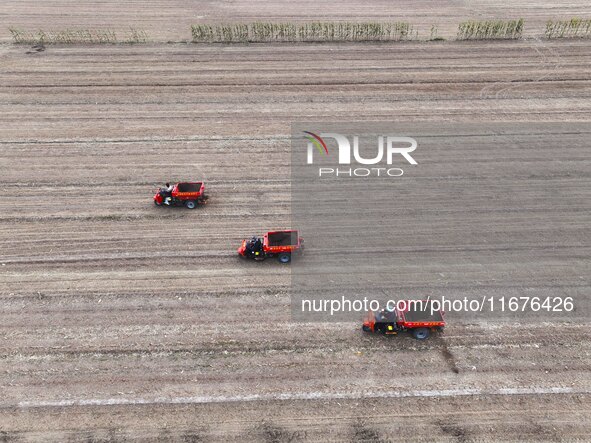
(107, 299)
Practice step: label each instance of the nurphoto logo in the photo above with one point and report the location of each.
(389, 148)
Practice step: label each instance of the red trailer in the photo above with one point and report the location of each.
(416, 316)
(280, 244)
(188, 194)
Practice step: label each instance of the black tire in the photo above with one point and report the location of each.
(190, 204)
(420, 333)
(284, 257)
(157, 204)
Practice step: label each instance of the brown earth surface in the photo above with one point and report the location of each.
(124, 321)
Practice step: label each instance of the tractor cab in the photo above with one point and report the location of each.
(383, 321)
(253, 247)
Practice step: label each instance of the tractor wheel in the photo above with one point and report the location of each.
(157, 204)
(284, 257)
(190, 204)
(420, 333)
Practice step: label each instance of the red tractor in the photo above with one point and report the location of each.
(188, 194)
(280, 244)
(415, 316)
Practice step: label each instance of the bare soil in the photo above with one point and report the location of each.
(124, 321)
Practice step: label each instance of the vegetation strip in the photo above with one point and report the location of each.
(573, 28)
(261, 32)
(302, 32)
(76, 36)
(490, 29)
